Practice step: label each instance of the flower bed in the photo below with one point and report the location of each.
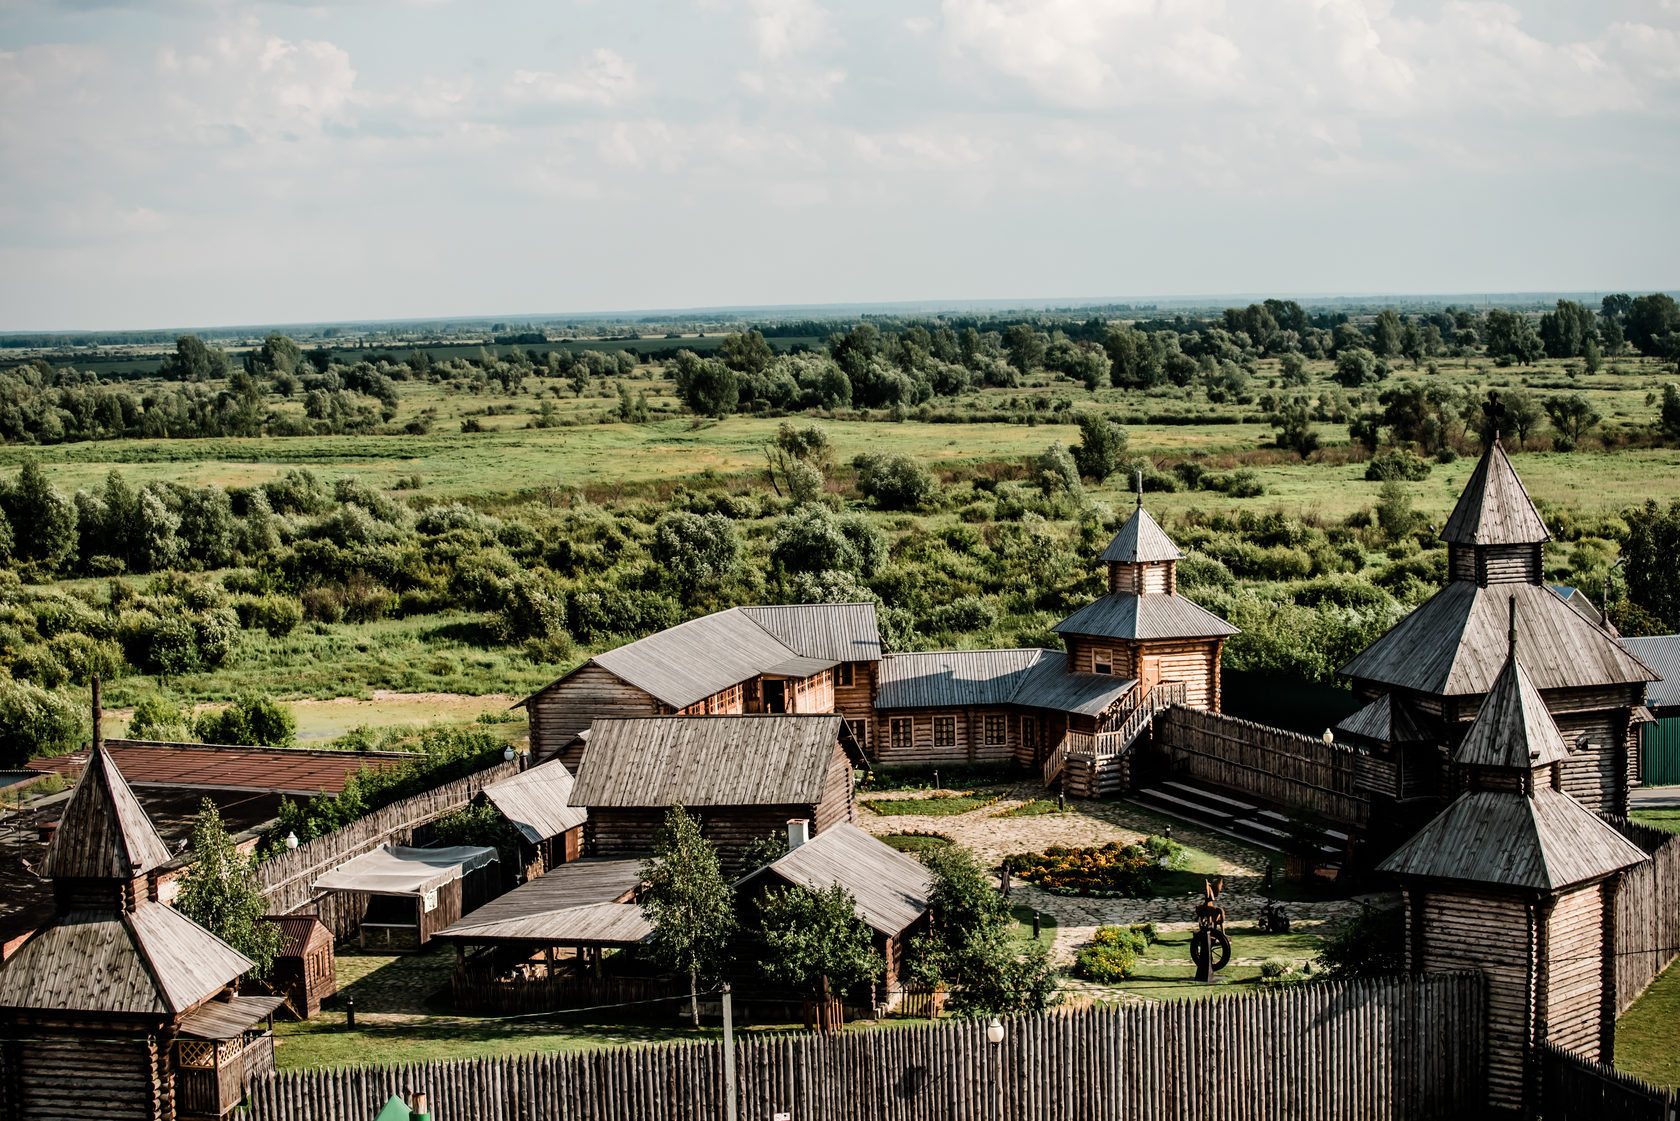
(914, 841)
(1112, 871)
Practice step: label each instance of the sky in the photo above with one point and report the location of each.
(207, 162)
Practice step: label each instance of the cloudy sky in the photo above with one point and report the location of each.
(199, 162)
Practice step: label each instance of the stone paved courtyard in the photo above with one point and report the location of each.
(1091, 822)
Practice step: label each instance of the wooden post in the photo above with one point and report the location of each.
(729, 1095)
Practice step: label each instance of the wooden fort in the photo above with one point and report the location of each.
(1425, 680)
(121, 1007)
(1518, 879)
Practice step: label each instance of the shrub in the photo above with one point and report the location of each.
(1105, 964)
(1273, 969)
(894, 482)
(1197, 571)
(276, 615)
(155, 718)
(34, 722)
(967, 613)
(1109, 871)
(1397, 464)
(251, 719)
(1371, 944)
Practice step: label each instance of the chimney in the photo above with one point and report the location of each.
(799, 831)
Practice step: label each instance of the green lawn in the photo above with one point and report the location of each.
(1168, 973)
(1648, 1034)
(915, 842)
(937, 805)
(1033, 809)
(1658, 819)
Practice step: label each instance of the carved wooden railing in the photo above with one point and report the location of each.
(1125, 727)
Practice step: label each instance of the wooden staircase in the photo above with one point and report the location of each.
(1104, 749)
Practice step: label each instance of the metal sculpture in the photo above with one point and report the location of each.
(1210, 947)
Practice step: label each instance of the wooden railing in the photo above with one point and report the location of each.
(1126, 726)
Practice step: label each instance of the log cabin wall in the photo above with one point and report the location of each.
(991, 734)
(839, 804)
(1196, 663)
(854, 697)
(1575, 972)
(1495, 934)
(560, 712)
(629, 831)
(1508, 564)
(81, 1073)
(811, 694)
(1085, 655)
(724, 702)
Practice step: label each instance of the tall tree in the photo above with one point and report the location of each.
(221, 893)
(1388, 334)
(43, 521)
(688, 902)
(969, 942)
(1653, 578)
(1653, 324)
(1026, 347)
(814, 942)
(1573, 417)
(1101, 444)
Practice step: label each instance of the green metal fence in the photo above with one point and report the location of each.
(1661, 749)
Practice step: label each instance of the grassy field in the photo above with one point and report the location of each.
(1645, 1035)
(1658, 819)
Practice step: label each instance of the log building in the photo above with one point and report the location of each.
(1431, 672)
(1517, 878)
(744, 777)
(121, 1007)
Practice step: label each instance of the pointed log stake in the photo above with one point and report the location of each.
(1139, 477)
(98, 719)
(1511, 651)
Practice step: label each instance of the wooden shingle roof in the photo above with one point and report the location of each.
(709, 760)
(1454, 644)
(1513, 729)
(693, 660)
(538, 801)
(1144, 617)
(574, 902)
(1494, 508)
(1141, 541)
(984, 678)
(890, 888)
(1385, 721)
(103, 833)
(153, 960)
(1544, 841)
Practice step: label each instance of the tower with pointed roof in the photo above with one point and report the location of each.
(1142, 628)
(1518, 879)
(97, 1000)
(1433, 668)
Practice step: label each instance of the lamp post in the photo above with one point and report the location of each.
(994, 1036)
(1329, 737)
(507, 753)
(291, 842)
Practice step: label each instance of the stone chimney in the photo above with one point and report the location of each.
(799, 831)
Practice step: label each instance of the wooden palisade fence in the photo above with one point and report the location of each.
(1573, 1088)
(1647, 912)
(289, 878)
(1399, 1048)
(1284, 768)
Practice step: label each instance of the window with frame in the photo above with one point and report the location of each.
(860, 732)
(1029, 731)
(997, 730)
(843, 674)
(901, 732)
(1102, 660)
(944, 731)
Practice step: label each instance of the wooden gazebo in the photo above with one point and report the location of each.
(121, 1002)
(1518, 880)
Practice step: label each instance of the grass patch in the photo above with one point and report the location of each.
(1645, 1033)
(916, 842)
(1658, 819)
(1033, 809)
(934, 805)
(1021, 927)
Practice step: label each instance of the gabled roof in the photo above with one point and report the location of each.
(297, 932)
(151, 961)
(693, 660)
(1662, 653)
(1454, 644)
(891, 889)
(1577, 599)
(1144, 617)
(574, 902)
(1385, 720)
(1495, 508)
(538, 801)
(836, 632)
(1545, 841)
(710, 760)
(1512, 730)
(1141, 541)
(984, 678)
(103, 833)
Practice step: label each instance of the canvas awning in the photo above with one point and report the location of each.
(219, 1020)
(405, 871)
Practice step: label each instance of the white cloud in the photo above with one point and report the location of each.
(789, 27)
(605, 78)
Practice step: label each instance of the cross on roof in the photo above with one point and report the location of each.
(1494, 411)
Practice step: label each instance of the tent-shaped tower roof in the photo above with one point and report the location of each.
(1495, 508)
(103, 834)
(1141, 541)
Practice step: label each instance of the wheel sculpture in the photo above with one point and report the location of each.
(1210, 948)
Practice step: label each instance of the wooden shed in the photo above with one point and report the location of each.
(794, 659)
(1442, 659)
(1518, 879)
(537, 802)
(304, 970)
(412, 893)
(104, 1011)
(891, 888)
(743, 776)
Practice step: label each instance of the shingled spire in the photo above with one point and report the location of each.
(1513, 730)
(103, 834)
(1495, 508)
